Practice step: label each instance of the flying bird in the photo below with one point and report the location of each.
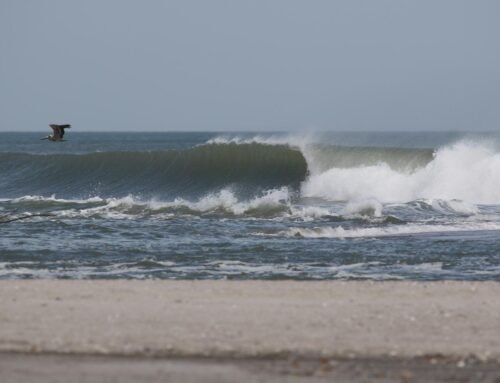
(58, 132)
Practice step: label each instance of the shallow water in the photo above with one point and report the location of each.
(421, 206)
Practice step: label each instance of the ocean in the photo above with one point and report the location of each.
(311, 206)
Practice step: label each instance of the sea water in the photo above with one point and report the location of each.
(418, 206)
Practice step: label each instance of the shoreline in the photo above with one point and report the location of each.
(55, 368)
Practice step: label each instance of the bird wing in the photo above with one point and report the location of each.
(57, 132)
(62, 127)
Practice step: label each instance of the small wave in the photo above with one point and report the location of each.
(271, 202)
(374, 232)
(280, 203)
(274, 202)
(452, 207)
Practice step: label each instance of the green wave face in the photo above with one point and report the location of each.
(248, 168)
(324, 157)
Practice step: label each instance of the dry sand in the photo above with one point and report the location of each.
(403, 323)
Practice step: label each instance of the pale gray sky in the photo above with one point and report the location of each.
(250, 65)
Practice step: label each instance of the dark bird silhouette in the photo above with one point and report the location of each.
(58, 132)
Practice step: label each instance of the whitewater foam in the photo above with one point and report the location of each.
(270, 202)
(52, 198)
(368, 208)
(465, 171)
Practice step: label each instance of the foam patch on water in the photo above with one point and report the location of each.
(367, 208)
(310, 213)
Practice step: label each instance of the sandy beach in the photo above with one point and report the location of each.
(228, 323)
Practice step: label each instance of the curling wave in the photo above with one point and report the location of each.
(173, 173)
(467, 171)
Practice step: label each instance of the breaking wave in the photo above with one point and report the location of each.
(467, 171)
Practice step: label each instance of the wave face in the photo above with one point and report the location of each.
(324, 157)
(171, 173)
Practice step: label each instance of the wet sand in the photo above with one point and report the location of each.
(64, 368)
(233, 326)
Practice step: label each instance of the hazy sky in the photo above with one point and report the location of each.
(250, 65)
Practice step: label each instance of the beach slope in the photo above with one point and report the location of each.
(251, 320)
